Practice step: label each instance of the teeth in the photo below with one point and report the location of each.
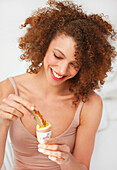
(56, 75)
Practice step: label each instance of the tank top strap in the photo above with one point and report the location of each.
(14, 85)
(78, 111)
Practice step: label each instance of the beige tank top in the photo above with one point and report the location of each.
(25, 145)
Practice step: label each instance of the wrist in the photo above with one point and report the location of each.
(4, 127)
(67, 163)
(72, 163)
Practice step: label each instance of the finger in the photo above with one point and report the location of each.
(5, 115)
(22, 101)
(59, 141)
(57, 154)
(19, 107)
(63, 148)
(10, 110)
(57, 160)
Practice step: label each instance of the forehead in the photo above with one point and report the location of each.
(63, 39)
(65, 44)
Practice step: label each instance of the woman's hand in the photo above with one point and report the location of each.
(12, 108)
(56, 149)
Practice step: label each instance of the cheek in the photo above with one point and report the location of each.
(74, 72)
(49, 60)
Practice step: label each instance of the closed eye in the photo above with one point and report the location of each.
(57, 56)
(74, 65)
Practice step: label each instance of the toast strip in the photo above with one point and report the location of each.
(38, 117)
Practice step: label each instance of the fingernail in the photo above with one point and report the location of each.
(40, 146)
(49, 157)
(41, 150)
(31, 116)
(52, 158)
(32, 108)
(4, 100)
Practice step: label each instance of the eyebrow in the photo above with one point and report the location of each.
(59, 51)
(62, 53)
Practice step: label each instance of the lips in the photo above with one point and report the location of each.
(56, 78)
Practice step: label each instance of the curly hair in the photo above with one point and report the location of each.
(92, 34)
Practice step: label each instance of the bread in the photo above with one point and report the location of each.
(38, 117)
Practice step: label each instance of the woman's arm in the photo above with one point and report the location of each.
(3, 137)
(89, 122)
(5, 89)
(11, 108)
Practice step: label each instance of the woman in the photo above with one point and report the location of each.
(70, 56)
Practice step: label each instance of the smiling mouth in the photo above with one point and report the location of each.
(56, 76)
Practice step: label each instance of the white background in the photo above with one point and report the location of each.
(12, 14)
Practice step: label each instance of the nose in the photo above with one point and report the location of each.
(63, 68)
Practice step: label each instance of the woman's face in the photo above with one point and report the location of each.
(59, 61)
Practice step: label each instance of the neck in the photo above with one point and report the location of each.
(50, 90)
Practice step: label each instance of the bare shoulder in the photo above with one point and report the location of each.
(6, 88)
(94, 101)
(92, 111)
(25, 79)
(22, 78)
